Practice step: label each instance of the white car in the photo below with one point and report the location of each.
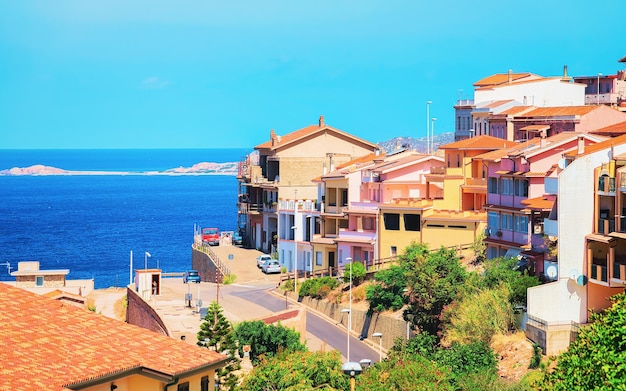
(271, 266)
(261, 259)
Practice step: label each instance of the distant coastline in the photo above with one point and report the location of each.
(203, 168)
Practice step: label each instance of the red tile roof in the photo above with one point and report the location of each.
(602, 145)
(559, 111)
(612, 130)
(483, 142)
(517, 110)
(500, 78)
(48, 345)
(539, 203)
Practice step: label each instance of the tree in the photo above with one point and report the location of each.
(388, 290)
(358, 273)
(217, 333)
(596, 360)
(433, 280)
(293, 371)
(503, 270)
(267, 340)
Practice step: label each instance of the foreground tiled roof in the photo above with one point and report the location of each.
(48, 345)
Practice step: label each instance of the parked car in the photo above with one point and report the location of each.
(191, 276)
(261, 259)
(211, 236)
(237, 239)
(271, 266)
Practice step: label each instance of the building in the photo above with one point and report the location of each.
(607, 90)
(591, 244)
(50, 345)
(283, 170)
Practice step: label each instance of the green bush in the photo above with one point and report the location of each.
(467, 359)
(267, 340)
(358, 273)
(317, 288)
(387, 292)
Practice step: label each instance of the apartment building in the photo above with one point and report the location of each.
(282, 168)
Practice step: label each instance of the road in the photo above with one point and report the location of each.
(333, 336)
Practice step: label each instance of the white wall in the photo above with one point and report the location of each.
(540, 93)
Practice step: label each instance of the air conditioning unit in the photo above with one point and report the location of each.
(538, 229)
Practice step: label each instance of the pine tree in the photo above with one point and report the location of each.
(217, 333)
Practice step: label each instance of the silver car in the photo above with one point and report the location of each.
(271, 266)
(262, 259)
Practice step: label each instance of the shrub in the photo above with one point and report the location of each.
(468, 359)
(358, 273)
(387, 291)
(317, 288)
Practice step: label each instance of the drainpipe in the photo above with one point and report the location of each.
(165, 387)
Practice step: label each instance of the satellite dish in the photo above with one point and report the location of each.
(552, 271)
(573, 274)
(581, 280)
(562, 163)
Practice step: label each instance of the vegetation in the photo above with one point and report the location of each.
(387, 292)
(596, 360)
(478, 316)
(267, 341)
(217, 333)
(229, 279)
(433, 281)
(502, 270)
(298, 371)
(318, 288)
(358, 273)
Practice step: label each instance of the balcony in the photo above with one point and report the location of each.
(599, 273)
(619, 271)
(606, 226)
(476, 182)
(438, 170)
(606, 185)
(301, 205)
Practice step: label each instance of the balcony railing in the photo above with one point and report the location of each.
(606, 226)
(476, 182)
(438, 170)
(619, 270)
(599, 273)
(301, 205)
(606, 184)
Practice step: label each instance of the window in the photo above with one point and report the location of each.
(39, 281)
(344, 197)
(411, 222)
(343, 223)
(204, 383)
(521, 187)
(369, 223)
(506, 186)
(394, 251)
(506, 221)
(318, 258)
(492, 185)
(392, 221)
(520, 223)
(183, 386)
(493, 220)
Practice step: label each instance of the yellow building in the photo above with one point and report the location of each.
(50, 345)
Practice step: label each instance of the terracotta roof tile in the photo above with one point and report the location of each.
(604, 145)
(560, 111)
(612, 130)
(539, 203)
(480, 142)
(500, 78)
(517, 110)
(45, 345)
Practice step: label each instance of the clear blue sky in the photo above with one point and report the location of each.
(221, 74)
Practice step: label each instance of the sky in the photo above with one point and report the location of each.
(222, 74)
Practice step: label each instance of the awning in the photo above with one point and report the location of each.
(539, 203)
(535, 128)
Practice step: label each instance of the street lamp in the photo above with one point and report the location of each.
(380, 345)
(145, 262)
(427, 126)
(349, 312)
(598, 90)
(432, 130)
(295, 267)
(352, 369)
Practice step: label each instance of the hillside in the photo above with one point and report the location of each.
(419, 144)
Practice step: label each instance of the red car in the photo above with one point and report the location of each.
(211, 236)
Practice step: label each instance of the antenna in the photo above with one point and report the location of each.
(8, 265)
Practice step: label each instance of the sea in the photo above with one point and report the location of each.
(91, 224)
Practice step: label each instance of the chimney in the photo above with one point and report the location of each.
(510, 76)
(321, 121)
(564, 71)
(273, 138)
(542, 141)
(581, 145)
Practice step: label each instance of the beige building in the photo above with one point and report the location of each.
(30, 277)
(282, 169)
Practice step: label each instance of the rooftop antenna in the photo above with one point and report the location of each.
(8, 265)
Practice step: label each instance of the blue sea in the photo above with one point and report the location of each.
(89, 224)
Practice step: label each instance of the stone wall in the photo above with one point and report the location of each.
(141, 314)
(203, 264)
(391, 325)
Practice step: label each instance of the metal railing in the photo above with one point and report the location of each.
(205, 248)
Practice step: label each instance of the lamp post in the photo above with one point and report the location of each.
(295, 267)
(432, 138)
(349, 312)
(427, 126)
(348, 259)
(145, 262)
(598, 90)
(380, 345)
(352, 369)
